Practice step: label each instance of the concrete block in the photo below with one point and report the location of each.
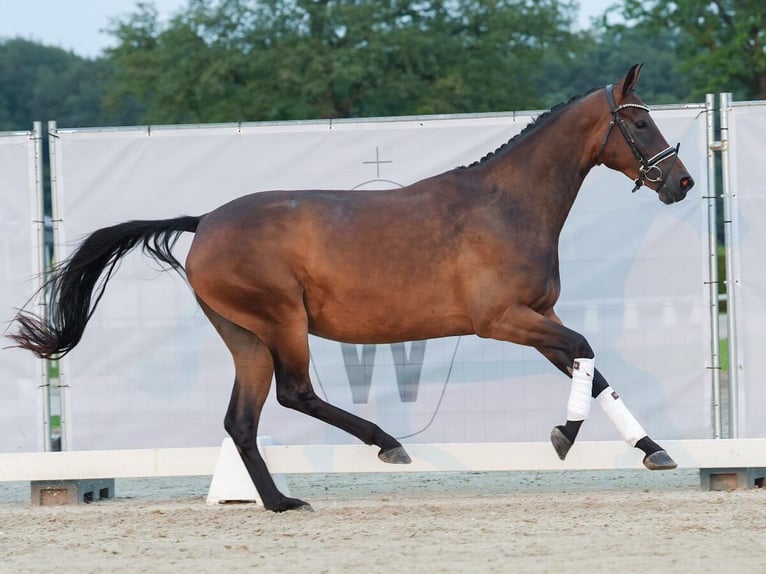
(58, 492)
(731, 478)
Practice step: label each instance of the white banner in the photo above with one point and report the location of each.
(747, 127)
(21, 427)
(151, 372)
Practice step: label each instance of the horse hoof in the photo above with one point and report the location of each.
(292, 504)
(396, 455)
(659, 460)
(560, 443)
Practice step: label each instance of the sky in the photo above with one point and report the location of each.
(79, 25)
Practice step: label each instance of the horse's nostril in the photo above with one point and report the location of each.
(687, 183)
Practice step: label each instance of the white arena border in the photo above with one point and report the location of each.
(519, 456)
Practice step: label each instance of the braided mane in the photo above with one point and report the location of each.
(530, 127)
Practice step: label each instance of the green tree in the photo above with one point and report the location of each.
(606, 50)
(721, 43)
(297, 59)
(43, 83)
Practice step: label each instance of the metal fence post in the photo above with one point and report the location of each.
(57, 241)
(42, 303)
(713, 146)
(728, 195)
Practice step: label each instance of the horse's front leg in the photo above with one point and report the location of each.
(571, 353)
(587, 383)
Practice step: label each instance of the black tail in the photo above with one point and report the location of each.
(69, 290)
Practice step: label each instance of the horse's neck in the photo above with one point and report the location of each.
(544, 171)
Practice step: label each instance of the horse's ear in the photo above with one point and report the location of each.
(631, 79)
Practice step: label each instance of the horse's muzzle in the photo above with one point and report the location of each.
(672, 194)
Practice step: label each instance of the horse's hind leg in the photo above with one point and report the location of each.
(587, 383)
(294, 390)
(254, 369)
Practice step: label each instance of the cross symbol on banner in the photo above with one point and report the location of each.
(377, 161)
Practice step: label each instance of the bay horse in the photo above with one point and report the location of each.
(269, 268)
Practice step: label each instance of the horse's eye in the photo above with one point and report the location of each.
(640, 124)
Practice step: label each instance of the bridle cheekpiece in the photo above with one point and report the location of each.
(648, 169)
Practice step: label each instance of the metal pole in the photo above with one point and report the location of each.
(731, 282)
(712, 214)
(42, 303)
(55, 221)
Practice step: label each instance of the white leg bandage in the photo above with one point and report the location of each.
(578, 407)
(618, 413)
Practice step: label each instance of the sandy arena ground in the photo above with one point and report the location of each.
(557, 522)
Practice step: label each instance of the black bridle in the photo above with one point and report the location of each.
(648, 169)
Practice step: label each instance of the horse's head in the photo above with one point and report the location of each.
(637, 148)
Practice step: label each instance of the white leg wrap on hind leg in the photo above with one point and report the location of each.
(618, 413)
(578, 406)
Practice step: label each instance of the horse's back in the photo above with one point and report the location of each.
(357, 264)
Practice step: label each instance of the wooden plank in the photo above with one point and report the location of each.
(132, 463)
(513, 456)
(609, 455)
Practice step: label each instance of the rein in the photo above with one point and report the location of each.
(648, 169)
